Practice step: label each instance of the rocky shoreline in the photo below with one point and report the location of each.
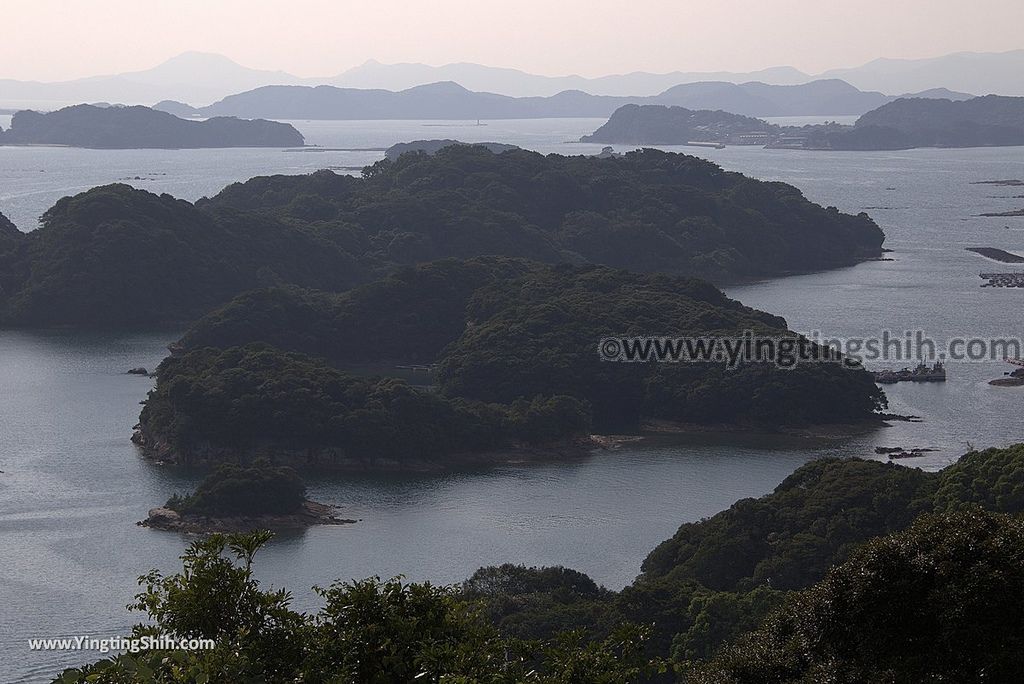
(311, 513)
(337, 460)
(658, 428)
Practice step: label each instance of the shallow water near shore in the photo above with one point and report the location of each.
(73, 486)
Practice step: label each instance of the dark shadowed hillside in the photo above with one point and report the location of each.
(647, 211)
(660, 125)
(917, 122)
(115, 256)
(12, 262)
(503, 332)
(940, 601)
(142, 127)
(900, 125)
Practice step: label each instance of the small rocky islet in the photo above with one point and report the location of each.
(241, 498)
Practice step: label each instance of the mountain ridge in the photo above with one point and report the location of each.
(203, 78)
(451, 100)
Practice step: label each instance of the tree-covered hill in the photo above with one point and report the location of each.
(646, 211)
(540, 332)
(940, 602)
(787, 540)
(118, 127)
(114, 256)
(240, 404)
(904, 123)
(504, 330)
(817, 515)
(920, 122)
(660, 125)
(12, 262)
(989, 120)
(259, 489)
(722, 576)
(406, 317)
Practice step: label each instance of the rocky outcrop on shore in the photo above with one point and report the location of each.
(1012, 379)
(311, 513)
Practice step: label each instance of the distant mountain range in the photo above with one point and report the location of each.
(192, 76)
(201, 78)
(967, 72)
(981, 73)
(373, 74)
(449, 100)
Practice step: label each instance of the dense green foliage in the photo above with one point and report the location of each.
(687, 621)
(538, 603)
(993, 479)
(115, 256)
(259, 489)
(788, 539)
(922, 122)
(980, 121)
(12, 270)
(435, 145)
(939, 597)
(245, 402)
(538, 334)
(940, 602)
(138, 127)
(720, 577)
(504, 330)
(408, 316)
(7, 228)
(369, 631)
(717, 578)
(646, 211)
(661, 125)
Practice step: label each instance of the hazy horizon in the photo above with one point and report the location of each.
(318, 38)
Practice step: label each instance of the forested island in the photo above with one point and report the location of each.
(849, 571)
(116, 127)
(118, 257)
(435, 146)
(237, 498)
(242, 404)
(661, 125)
(979, 122)
(518, 373)
(905, 123)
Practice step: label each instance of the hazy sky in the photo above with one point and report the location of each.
(58, 39)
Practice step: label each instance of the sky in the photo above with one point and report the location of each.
(65, 39)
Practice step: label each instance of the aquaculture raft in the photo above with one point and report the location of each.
(1003, 279)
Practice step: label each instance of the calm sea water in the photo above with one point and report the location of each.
(73, 486)
(33, 178)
